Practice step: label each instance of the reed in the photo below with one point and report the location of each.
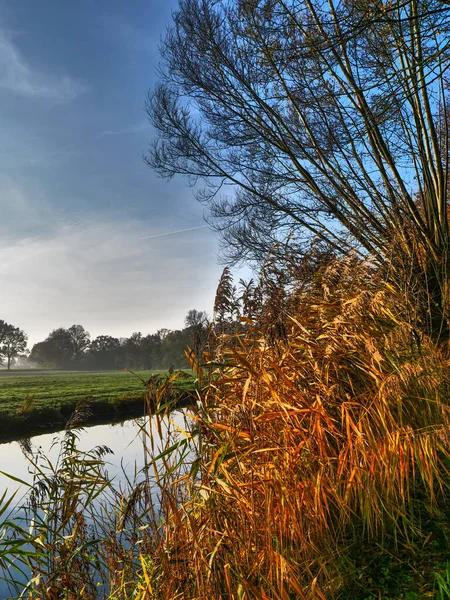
(308, 442)
(324, 425)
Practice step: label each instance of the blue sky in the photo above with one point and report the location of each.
(84, 221)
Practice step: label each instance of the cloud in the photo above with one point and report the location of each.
(25, 209)
(105, 277)
(127, 130)
(18, 76)
(157, 235)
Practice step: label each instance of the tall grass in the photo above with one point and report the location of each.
(326, 423)
(311, 442)
(78, 533)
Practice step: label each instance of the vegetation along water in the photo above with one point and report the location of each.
(313, 461)
(43, 400)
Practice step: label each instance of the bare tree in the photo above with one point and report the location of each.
(196, 318)
(324, 118)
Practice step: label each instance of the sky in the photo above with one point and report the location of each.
(88, 233)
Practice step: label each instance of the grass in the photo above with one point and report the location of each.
(54, 389)
(47, 397)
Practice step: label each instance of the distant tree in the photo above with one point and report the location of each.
(13, 342)
(196, 318)
(133, 350)
(196, 331)
(104, 352)
(56, 350)
(151, 350)
(104, 343)
(62, 343)
(172, 350)
(80, 340)
(39, 354)
(3, 328)
(135, 338)
(163, 333)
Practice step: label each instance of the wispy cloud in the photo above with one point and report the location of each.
(157, 235)
(24, 207)
(102, 276)
(19, 76)
(126, 131)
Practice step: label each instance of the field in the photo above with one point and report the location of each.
(44, 399)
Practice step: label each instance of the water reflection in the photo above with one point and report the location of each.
(127, 441)
(124, 439)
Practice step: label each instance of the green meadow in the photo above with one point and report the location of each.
(46, 398)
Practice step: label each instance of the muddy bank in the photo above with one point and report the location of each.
(50, 420)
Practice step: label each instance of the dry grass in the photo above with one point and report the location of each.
(307, 444)
(321, 426)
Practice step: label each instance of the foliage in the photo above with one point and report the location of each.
(311, 444)
(315, 465)
(328, 120)
(196, 318)
(81, 340)
(56, 350)
(79, 535)
(72, 348)
(13, 341)
(104, 352)
(225, 302)
(443, 583)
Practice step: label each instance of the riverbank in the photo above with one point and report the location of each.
(43, 401)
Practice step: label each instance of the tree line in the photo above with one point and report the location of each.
(73, 348)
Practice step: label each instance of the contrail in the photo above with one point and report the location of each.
(151, 237)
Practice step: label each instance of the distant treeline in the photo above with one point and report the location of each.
(73, 348)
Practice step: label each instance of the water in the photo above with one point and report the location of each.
(124, 439)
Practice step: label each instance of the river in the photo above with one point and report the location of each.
(124, 439)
